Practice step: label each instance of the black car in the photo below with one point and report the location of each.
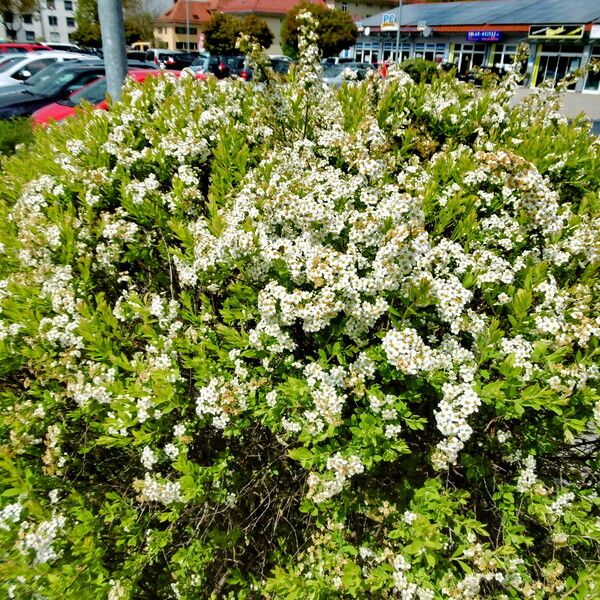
(220, 65)
(51, 84)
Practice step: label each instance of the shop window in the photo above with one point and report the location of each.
(555, 65)
(592, 81)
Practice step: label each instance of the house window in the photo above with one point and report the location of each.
(30, 36)
(50, 4)
(344, 7)
(159, 30)
(68, 4)
(27, 19)
(183, 30)
(52, 20)
(54, 36)
(70, 22)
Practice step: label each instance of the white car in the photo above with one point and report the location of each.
(21, 67)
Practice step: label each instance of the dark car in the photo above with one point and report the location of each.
(52, 71)
(45, 88)
(220, 65)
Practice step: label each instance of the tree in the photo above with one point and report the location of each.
(11, 10)
(138, 23)
(336, 29)
(257, 28)
(223, 31)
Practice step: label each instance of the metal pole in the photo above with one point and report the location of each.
(187, 25)
(398, 61)
(112, 27)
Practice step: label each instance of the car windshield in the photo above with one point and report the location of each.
(93, 93)
(8, 64)
(52, 85)
(47, 73)
(333, 70)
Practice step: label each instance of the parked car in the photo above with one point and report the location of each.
(163, 58)
(21, 48)
(336, 74)
(59, 84)
(65, 47)
(21, 67)
(53, 71)
(220, 65)
(278, 65)
(336, 60)
(94, 93)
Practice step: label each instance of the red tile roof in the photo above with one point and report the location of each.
(199, 12)
(263, 7)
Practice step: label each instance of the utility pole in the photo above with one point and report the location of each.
(398, 61)
(187, 25)
(112, 27)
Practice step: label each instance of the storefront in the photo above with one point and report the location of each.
(487, 34)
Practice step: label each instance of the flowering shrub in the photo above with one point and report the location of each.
(288, 341)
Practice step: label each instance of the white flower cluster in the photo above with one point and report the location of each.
(94, 386)
(221, 399)
(562, 502)
(406, 351)
(527, 477)
(154, 490)
(407, 589)
(41, 539)
(149, 458)
(342, 468)
(11, 513)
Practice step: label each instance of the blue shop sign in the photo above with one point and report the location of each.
(484, 36)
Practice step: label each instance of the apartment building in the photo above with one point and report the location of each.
(53, 21)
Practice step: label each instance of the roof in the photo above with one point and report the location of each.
(495, 12)
(197, 12)
(263, 7)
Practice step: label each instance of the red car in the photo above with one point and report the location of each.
(94, 93)
(20, 48)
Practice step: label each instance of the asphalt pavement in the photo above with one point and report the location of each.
(575, 103)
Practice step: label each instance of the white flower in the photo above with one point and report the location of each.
(148, 458)
(172, 451)
(527, 476)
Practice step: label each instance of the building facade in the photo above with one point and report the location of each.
(171, 28)
(53, 21)
(179, 27)
(562, 36)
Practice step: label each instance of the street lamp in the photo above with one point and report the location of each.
(187, 25)
(398, 32)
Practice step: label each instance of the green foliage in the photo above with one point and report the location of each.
(12, 133)
(419, 69)
(336, 30)
(223, 31)
(139, 23)
(288, 341)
